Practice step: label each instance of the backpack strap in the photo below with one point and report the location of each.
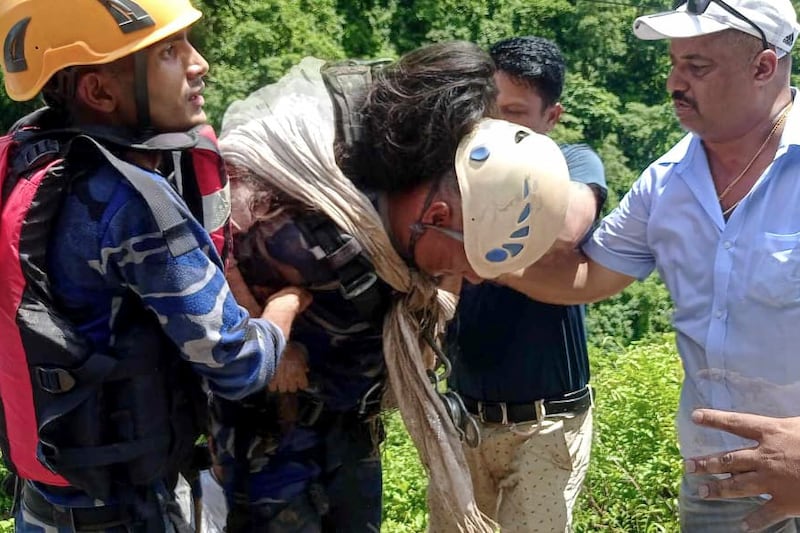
(173, 225)
(348, 82)
(358, 282)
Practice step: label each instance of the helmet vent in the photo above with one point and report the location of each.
(480, 153)
(520, 135)
(129, 15)
(14, 47)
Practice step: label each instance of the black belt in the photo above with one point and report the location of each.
(73, 518)
(512, 413)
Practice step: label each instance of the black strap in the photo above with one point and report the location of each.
(347, 83)
(98, 368)
(358, 282)
(75, 385)
(139, 512)
(70, 518)
(509, 413)
(174, 226)
(93, 456)
(141, 91)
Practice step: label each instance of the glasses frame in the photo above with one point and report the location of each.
(698, 7)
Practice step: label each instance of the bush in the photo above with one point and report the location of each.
(404, 481)
(633, 479)
(640, 311)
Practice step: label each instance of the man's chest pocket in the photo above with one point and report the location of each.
(774, 272)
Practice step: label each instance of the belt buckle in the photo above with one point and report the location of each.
(503, 412)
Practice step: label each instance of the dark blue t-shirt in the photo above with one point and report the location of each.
(508, 347)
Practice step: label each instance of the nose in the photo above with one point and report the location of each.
(198, 66)
(675, 81)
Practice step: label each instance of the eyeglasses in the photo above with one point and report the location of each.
(453, 234)
(698, 7)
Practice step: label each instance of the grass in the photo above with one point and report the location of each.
(632, 485)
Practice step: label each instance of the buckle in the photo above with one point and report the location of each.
(358, 286)
(33, 152)
(55, 380)
(503, 412)
(345, 253)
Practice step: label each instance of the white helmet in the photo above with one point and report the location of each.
(514, 190)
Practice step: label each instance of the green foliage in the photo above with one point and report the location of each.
(647, 132)
(633, 479)
(252, 42)
(404, 482)
(5, 504)
(641, 310)
(369, 26)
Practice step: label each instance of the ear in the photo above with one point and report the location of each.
(438, 214)
(552, 116)
(98, 91)
(766, 66)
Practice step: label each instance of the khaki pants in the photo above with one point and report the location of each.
(526, 476)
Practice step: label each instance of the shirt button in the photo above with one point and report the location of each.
(728, 245)
(719, 314)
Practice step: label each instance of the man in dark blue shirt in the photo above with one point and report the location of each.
(521, 366)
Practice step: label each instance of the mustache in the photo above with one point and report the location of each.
(198, 85)
(680, 96)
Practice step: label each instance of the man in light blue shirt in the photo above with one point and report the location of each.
(715, 217)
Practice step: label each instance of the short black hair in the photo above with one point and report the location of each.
(535, 61)
(416, 112)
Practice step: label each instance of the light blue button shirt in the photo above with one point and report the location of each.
(735, 285)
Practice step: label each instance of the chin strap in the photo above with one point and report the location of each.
(143, 124)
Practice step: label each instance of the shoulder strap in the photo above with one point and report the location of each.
(347, 83)
(171, 222)
(358, 282)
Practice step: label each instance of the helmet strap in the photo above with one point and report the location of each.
(141, 93)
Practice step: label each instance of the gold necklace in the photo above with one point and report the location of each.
(775, 127)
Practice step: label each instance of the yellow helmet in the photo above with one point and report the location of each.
(41, 37)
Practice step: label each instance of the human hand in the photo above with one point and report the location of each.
(771, 467)
(292, 372)
(284, 306)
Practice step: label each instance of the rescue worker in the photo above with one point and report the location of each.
(368, 185)
(114, 299)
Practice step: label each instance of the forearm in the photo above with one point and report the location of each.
(556, 278)
(566, 277)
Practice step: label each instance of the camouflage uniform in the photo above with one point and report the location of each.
(308, 461)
